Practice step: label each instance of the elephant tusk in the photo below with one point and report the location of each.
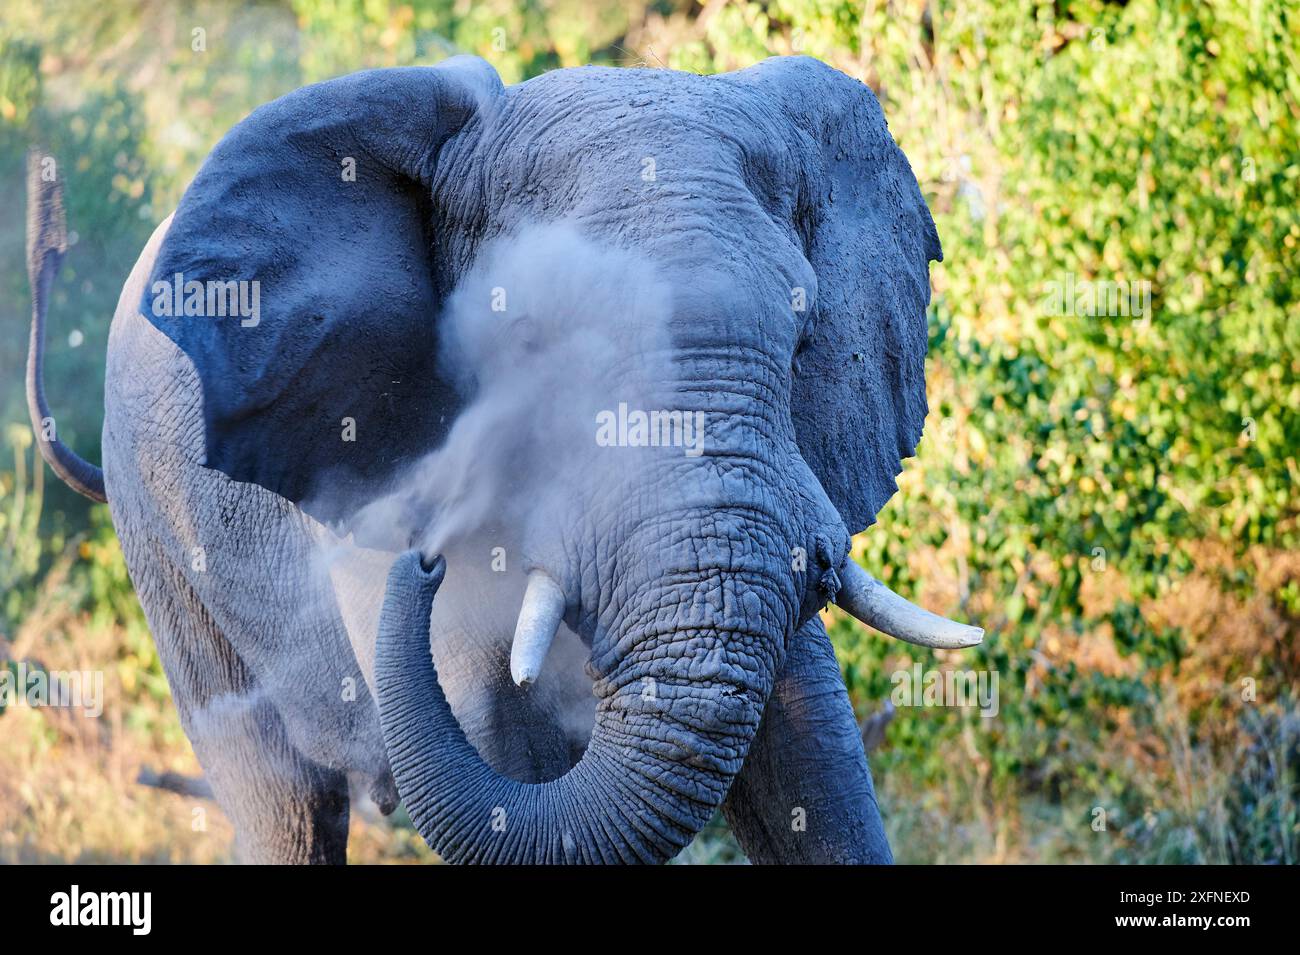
(876, 605)
(539, 618)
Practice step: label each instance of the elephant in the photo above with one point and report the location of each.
(375, 448)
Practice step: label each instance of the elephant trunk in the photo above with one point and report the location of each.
(660, 761)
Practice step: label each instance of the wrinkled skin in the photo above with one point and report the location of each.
(682, 572)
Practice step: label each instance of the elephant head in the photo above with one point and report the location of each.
(787, 244)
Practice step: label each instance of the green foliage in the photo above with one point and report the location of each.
(21, 546)
(520, 39)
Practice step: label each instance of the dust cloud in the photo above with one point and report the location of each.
(546, 337)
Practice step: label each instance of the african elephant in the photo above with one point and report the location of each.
(409, 325)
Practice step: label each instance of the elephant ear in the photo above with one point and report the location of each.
(858, 396)
(319, 368)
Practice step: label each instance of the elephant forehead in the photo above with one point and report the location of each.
(696, 175)
(621, 138)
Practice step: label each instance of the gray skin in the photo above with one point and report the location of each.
(687, 572)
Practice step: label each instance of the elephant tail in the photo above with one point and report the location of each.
(47, 242)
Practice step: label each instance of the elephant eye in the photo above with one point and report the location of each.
(799, 348)
(523, 335)
(805, 337)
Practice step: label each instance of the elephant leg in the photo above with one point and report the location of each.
(284, 808)
(804, 794)
(243, 614)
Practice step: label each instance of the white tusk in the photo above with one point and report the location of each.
(876, 605)
(539, 618)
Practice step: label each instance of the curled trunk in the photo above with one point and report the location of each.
(661, 757)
